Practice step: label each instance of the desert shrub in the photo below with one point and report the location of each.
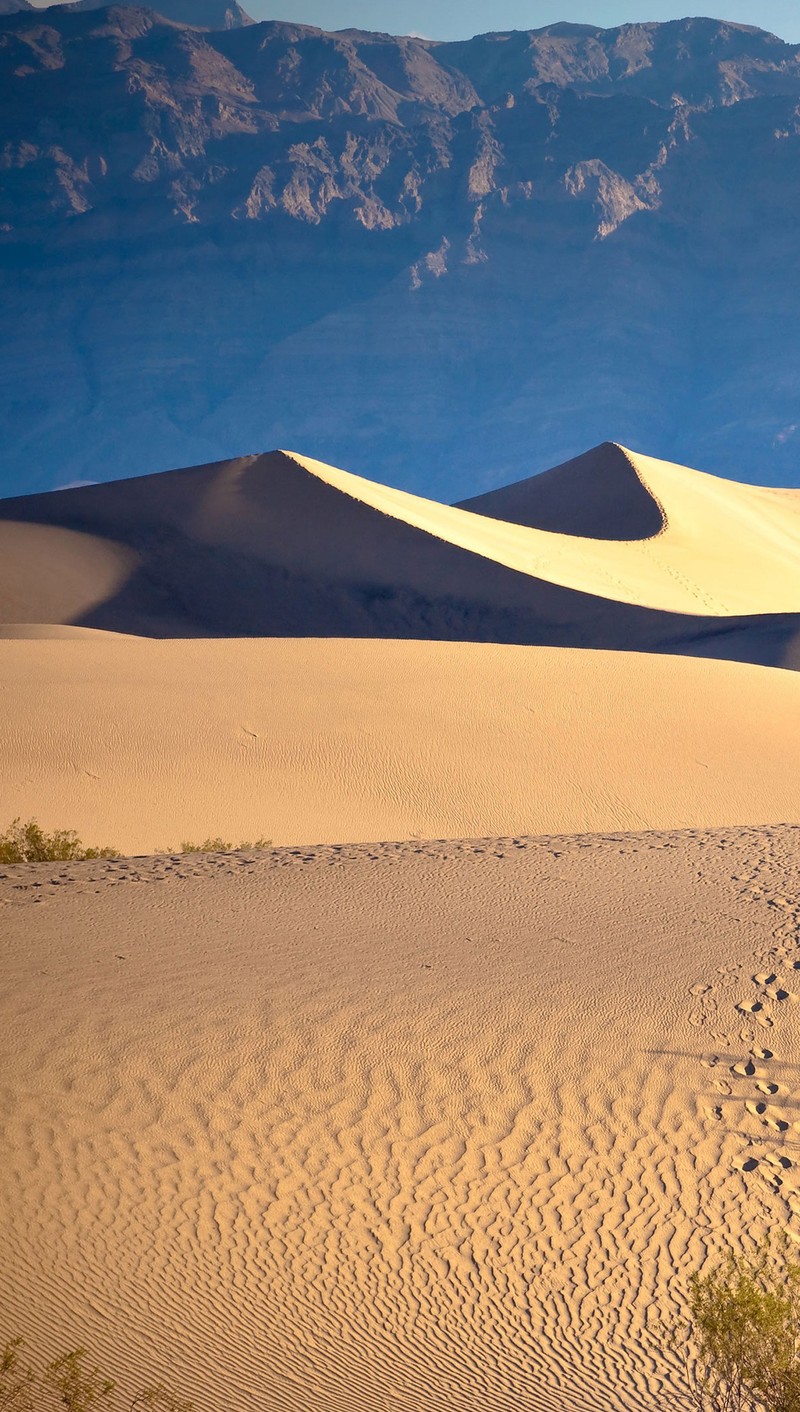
(77, 1386)
(741, 1345)
(17, 1384)
(218, 845)
(71, 1383)
(28, 843)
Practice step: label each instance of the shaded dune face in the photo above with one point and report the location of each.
(279, 545)
(595, 496)
(46, 567)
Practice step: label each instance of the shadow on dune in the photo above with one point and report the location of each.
(221, 594)
(597, 495)
(260, 547)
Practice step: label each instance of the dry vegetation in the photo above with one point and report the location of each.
(71, 1382)
(218, 845)
(28, 843)
(741, 1345)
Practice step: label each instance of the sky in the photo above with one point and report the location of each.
(459, 19)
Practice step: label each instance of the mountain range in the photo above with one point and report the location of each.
(455, 263)
(198, 14)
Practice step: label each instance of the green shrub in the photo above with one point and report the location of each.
(28, 843)
(741, 1346)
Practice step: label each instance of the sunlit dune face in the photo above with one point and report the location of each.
(662, 536)
(283, 544)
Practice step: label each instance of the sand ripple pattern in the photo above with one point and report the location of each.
(418, 1126)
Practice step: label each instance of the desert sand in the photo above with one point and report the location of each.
(144, 744)
(432, 1125)
(423, 1125)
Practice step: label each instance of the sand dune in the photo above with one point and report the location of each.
(44, 566)
(423, 1126)
(37, 632)
(143, 744)
(280, 545)
(371, 1126)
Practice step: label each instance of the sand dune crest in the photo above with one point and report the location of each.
(599, 495)
(282, 545)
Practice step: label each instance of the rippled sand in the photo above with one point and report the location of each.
(439, 1126)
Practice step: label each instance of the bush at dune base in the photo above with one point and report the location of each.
(28, 843)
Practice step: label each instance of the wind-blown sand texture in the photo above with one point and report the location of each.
(281, 545)
(439, 1126)
(143, 744)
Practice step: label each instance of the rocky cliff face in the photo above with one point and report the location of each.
(441, 264)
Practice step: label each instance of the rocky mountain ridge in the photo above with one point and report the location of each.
(197, 14)
(498, 204)
(237, 124)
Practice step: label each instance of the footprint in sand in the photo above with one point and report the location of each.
(780, 995)
(749, 1007)
(754, 1010)
(746, 1164)
(759, 1109)
(744, 1069)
